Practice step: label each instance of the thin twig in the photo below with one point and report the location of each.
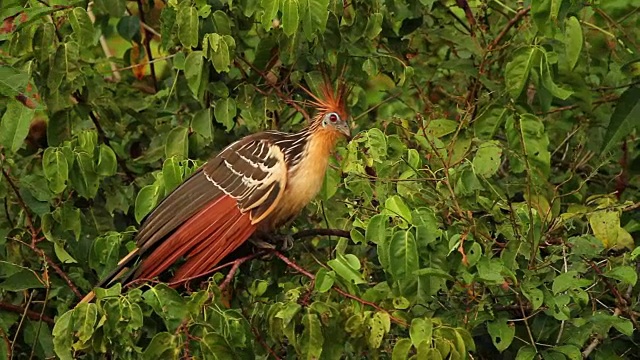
(519, 15)
(34, 236)
(147, 46)
(105, 46)
(306, 273)
(60, 273)
(234, 269)
(606, 99)
(217, 268)
(276, 89)
(321, 232)
(596, 339)
(103, 137)
(22, 204)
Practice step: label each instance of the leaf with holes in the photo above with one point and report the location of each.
(501, 333)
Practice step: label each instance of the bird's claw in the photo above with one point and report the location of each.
(261, 244)
(287, 242)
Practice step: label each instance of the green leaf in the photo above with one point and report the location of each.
(188, 26)
(587, 245)
(403, 255)
(86, 315)
(347, 267)
(15, 125)
(571, 351)
(214, 346)
(219, 49)
(145, 201)
(107, 163)
(193, 72)
(501, 333)
(56, 169)
(222, 22)
(568, 280)
(554, 10)
(105, 254)
(163, 346)
(225, 111)
(421, 330)
(177, 144)
(490, 270)
(129, 27)
(115, 8)
(311, 340)
(314, 14)
(270, 11)
(201, 123)
(324, 280)
(62, 65)
(572, 42)
(374, 25)
(377, 144)
(517, 70)
(397, 207)
(526, 353)
(624, 119)
(83, 175)
(547, 80)
(625, 274)
(379, 326)
(82, 26)
(534, 295)
(63, 255)
(167, 304)
(441, 127)
(12, 81)
(290, 16)
(377, 229)
(536, 144)
(22, 280)
(63, 335)
(401, 349)
(171, 174)
(488, 158)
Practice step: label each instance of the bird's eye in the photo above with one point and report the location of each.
(333, 117)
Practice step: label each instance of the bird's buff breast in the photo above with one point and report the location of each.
(303, 184)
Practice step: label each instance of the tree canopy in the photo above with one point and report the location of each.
(487, 206)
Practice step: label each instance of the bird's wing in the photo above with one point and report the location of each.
(249, 178)
(211, 213)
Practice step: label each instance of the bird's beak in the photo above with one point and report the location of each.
(346, 131)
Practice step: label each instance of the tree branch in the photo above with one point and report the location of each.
(33, 315)
(321, 232)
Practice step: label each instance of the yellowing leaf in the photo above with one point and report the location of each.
(606, 227)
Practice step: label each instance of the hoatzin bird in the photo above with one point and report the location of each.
(251, 187)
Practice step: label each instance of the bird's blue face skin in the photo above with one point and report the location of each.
(333, 121)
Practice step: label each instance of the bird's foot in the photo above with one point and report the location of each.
(287, 242)
(271, 242)
(261, 244)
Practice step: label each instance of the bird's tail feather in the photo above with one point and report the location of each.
(122, 272)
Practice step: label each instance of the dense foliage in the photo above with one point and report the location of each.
(487, 205)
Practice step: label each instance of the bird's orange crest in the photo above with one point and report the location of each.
(330, 99)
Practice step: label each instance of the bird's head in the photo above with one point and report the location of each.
(331, 117)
